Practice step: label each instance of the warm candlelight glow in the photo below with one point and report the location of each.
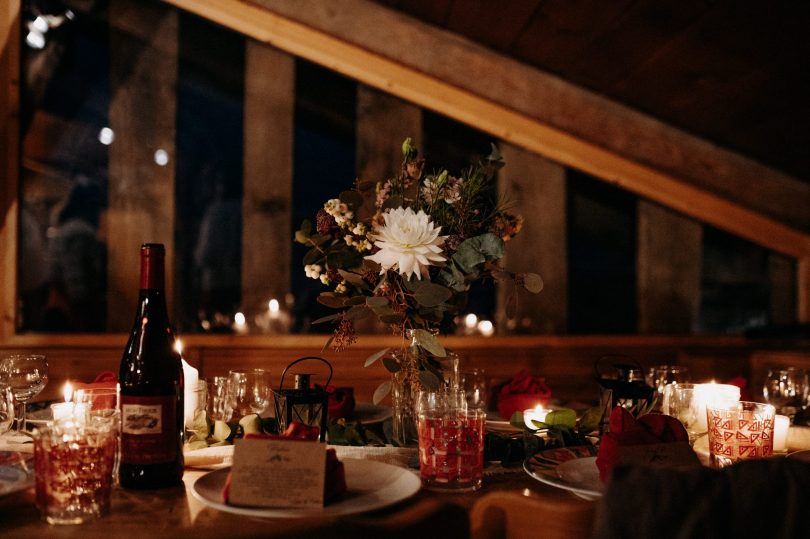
(780, 433)
(274, 308)
(486, 328)
(470, 321)
(178, 345)
(538, 413)
(67, 391)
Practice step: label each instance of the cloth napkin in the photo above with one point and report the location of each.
(649, 430)
(524, 391)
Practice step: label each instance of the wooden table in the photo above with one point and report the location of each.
(175, 512)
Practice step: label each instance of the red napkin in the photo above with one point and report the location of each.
(626, 430)
(341, 402)
(335, 483)
(105, 380)
(524, 391)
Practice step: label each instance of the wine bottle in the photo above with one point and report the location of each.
(151, 378)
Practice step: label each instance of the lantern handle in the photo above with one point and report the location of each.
(284, 373)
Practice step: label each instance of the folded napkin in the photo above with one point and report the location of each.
(650, 432)
(341, 402)
(209, 458)
(524, 391)
(105, 380)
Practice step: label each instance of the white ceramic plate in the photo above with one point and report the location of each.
(368, 414)
(370, 485)
(16, 471)
(577, 474)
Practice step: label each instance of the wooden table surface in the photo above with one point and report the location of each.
(175, 512)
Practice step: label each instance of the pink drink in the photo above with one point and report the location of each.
(73, 474)
(451, 450)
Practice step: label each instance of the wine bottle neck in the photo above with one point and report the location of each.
(152, 269)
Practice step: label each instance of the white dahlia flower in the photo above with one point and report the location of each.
(408, 242)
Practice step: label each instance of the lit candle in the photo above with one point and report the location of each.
(67, 391)
(190, 378)
(240, 323)
(486, 328)
(274, 308)
(713, 394)
(780, 433)
(538, 413)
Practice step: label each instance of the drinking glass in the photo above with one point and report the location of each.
(103, 409)
(681, 402)
(739, 431)
(451, 441)
(219, 406)
(250, 391)
(787, 389)
(660, 376)
(26, 375)
(6, 408)
(474, 384)
(73, 465)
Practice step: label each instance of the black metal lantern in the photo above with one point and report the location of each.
(302, 403)
(621, 383)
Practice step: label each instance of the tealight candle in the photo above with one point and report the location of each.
(780, 433)
(538, 413)
(69, 412)
(190, 378)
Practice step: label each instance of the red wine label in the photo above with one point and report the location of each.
(148, 429)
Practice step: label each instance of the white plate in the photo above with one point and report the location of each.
(370, 485)
(368, 414)
(578, 475)
(16, 471)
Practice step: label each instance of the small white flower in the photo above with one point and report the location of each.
(349, 239)
(341, 288)
(313, 271)
(324, 278)
(359, 229)
(408, 242)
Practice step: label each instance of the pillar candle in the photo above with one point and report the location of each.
(713, 394)
(190, 378)
(780, 433)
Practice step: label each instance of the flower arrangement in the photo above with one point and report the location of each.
(409, 257)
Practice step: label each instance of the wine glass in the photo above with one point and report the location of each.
(26, 375)
(250, 391)
(786, 389)
(660, 376)
(6, 408)
(219, 406)
(680, 401)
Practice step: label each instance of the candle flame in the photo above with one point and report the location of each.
(67, 391)
(178, 345)
(273, 305)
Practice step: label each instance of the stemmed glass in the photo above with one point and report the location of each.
(6, 408)
(787, 390)
(26, 375)
(250, 391)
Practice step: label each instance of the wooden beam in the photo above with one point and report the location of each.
(268, 175)
(668, 262)
(408, 66)
(803, 290)
(143, 77)
(9, 161)
(535, 188)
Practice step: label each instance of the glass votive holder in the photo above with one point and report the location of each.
(73, 466)
(739, 431)
(451, 442)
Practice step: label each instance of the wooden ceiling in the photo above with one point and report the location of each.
(736, 73)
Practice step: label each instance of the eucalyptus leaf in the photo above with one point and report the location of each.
(391, 364)
(302, 237)
(381, 392)
(356, 300)
(517, 420)
(222, 431)
(374, 357)
(532, 282)
(353, 278)
(429, 380)
(196, 444)
(565, 417)
(431, 295)
(376, 301)
(329, 318)
(330, 300)
(427, 341)
(357, 312)
(313, 255)
(590, 420)
(343, 258)
(392, 318)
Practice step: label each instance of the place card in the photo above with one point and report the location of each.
(278, 473)
(666, 455)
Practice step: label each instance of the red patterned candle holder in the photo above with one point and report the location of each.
(740, 431)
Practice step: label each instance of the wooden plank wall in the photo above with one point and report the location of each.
(142, 116)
